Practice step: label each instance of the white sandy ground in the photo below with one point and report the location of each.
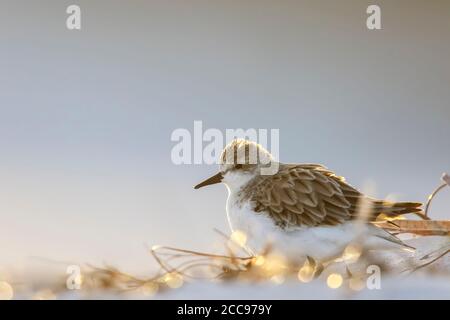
(428, 283)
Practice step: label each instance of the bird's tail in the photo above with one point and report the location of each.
(392, 209)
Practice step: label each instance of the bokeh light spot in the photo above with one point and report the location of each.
(6, 291)
(334, 280)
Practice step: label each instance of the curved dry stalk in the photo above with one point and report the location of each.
(432, 261)
(431, 197)
(211, 255)
(195, 262)
(178, 261)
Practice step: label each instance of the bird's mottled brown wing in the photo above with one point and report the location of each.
(303, 195)
(312, 195)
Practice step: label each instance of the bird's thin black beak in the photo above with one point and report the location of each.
(212, 180)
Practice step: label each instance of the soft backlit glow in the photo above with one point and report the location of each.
(334, 280)
(239, 237)
(149, 289)
(274, 265)
(45, 294)
(173, 280)
(352, 253)
(259, 260)
(277, 279)
(6, 291)
(356, 284)
(384, 217)
(306, 272)
(79, 280)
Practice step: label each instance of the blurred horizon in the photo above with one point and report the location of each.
(86, 116)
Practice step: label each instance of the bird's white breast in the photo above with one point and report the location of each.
(320, 242)
(257, 227)
(296, 244)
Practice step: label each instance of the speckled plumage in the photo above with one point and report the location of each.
(302, 209)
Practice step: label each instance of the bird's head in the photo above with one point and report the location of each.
(240, 161)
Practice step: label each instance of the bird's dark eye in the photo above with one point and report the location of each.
(238, 166)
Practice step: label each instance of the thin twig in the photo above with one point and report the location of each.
(430, 198)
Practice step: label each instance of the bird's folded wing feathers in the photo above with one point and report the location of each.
(311, 195)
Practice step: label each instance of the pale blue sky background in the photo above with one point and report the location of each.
(86, 117)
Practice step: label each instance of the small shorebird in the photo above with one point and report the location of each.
(303, 210)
